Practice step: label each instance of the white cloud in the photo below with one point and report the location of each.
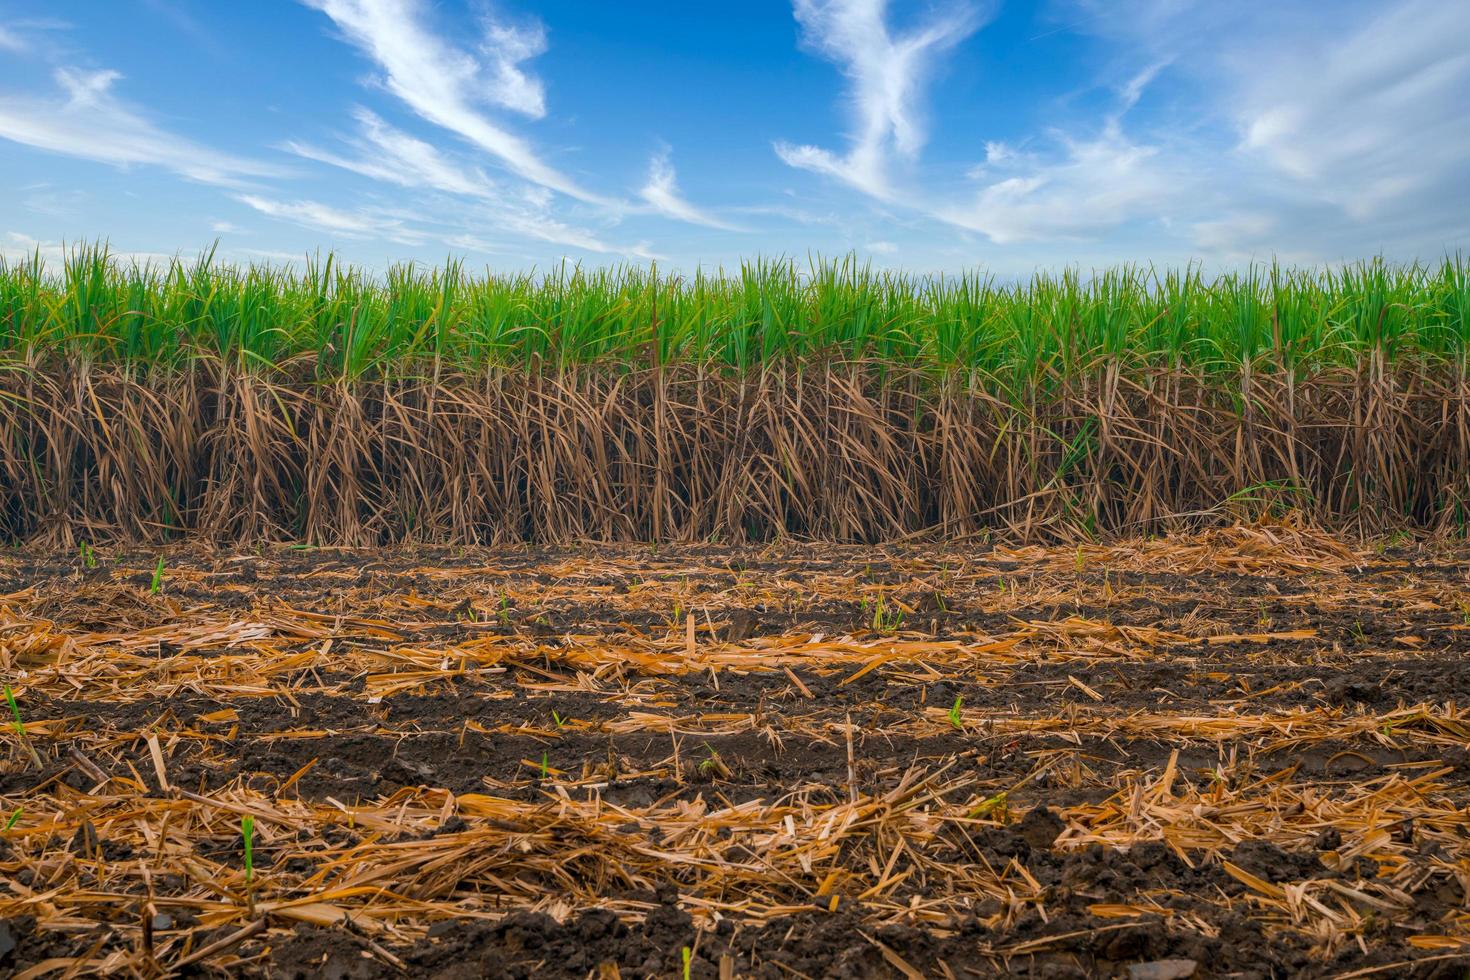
(662, 194)
(446, 86)
(359, 223)
(393, 156)
(225, 227)
(93, 124)
(1344, 121)
(1364, 119)
(20, 247)
(506, 47)
(1232, 232)
(10, 41)
(85, 89)
(886, 74)
(388, 154)
(1095, 185)
(1086, 186)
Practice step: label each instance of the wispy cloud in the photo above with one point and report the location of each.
(1367, 118)
(388, 154)
(10, 41)
(382, 152)
(886, 73)
(1236, 234)
(1085, 187)
(505, 47)
(1343, 121)
(357, 223)
(92, 123)
(1072, 187)
(446, 85)
(19, 247)
(54, 202)
(662, 194)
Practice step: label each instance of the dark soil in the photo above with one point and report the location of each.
(1384, 634)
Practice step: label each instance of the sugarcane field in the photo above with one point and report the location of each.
(779, 490)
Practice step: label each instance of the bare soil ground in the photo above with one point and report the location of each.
(1237, 754)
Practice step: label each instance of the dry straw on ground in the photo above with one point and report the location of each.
(1245, 743)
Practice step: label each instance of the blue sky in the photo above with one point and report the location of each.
(928, 136)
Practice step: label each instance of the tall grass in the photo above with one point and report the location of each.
(347, 323)
(825, 399)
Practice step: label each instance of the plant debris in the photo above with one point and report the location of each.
(1240, 752)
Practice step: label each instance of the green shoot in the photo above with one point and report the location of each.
(18, 724)
(247, 833)
(686, 956)
(545, 767)
(157, 585)
(560, 721)
(14, 819)
(20, 727)
(89, 558)
(885, 620)
(994, 803)
(954, 711)
(713, 765)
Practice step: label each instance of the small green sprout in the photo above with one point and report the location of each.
(14, 819)
(545, 767)
(713, 765)
(884, 619)
(996, 802)
(20, 726)
(560, 721)
(157, 585)
(954, 711)
(89, 557)
(686, 956)
(247, 832)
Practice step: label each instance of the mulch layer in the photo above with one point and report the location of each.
(1242, 753)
